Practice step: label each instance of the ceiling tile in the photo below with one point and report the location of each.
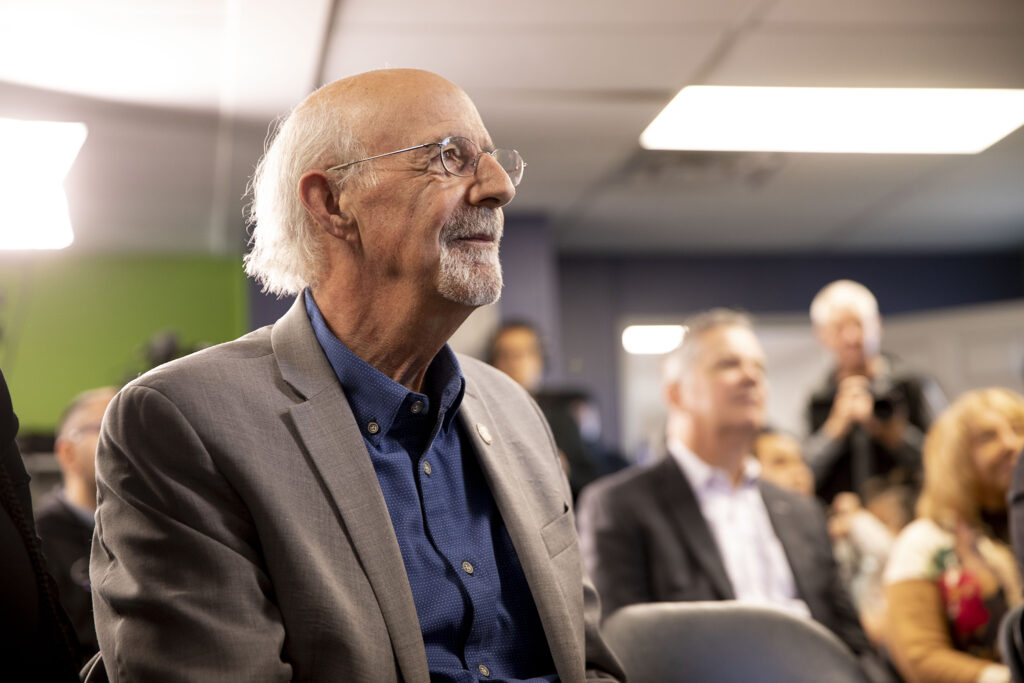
(531, 58)
(902, 13)
(440, 13)
(872, 57)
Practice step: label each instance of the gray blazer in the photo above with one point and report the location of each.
(645, 540)
(242, 535)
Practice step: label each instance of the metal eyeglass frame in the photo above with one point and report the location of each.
(442, 144)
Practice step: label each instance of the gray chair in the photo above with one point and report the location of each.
(726, 642)
(1011, 642)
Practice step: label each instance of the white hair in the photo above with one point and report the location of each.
(287, 251)
(678, 363)
(843, 294)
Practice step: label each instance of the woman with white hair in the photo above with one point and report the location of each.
(868, 418)
(951, 576)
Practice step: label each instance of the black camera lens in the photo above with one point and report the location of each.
(884, 409)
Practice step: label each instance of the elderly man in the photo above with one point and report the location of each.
(867, 420)
(64, 519)
(338, 496)
(701, 524)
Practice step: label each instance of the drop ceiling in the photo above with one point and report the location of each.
(179, 95)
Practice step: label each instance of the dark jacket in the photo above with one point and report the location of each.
(36, 642)
(644, 539)
(847, 464)
(66, 540)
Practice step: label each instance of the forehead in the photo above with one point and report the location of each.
(778, 445)
(842, 314)
(517, 336)
(988, 416)
(418, 110)
(90, 410)
(729, 340)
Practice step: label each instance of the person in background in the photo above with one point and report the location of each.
(868, 418)
(517, 350)
(860, 541)
(64, 518)
(339, 496)
(37, 642)
(782, 462)
(951, 575)
(586, 413)
(703, 524)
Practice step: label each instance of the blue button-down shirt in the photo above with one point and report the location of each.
(476, 611)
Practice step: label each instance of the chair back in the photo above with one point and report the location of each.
(726, 642)
(1011, 642)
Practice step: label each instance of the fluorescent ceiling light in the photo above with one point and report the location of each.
(35, 157)
(652, 339)
(852, 120)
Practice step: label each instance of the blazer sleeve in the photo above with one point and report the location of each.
(612, 549)
(210, 613)
(919, 638)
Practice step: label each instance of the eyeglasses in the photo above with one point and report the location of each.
(460, 156)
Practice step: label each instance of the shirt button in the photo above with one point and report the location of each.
(484, 671)
(416, 407)
(373, 427)
(427, 469)
(468, 568)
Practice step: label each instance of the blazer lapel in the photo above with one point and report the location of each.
(789, 530)
(524, 530)
(329, 432)
(678, 499)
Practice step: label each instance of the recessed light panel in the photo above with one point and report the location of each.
(838, 120)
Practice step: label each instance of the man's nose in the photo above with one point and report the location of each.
(752, 372)
(491, 185)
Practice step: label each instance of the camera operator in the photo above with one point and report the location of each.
(867, 421)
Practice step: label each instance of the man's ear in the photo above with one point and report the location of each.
(673, 394)
(326, 207)
(64, 451)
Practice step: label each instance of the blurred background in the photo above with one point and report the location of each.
(178, 98)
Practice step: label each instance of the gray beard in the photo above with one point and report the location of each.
(470, 274)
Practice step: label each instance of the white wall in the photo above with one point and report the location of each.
(964, 348)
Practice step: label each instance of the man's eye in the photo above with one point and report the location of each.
(451, 154)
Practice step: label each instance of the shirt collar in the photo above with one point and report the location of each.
(376, 398)
(702, 475)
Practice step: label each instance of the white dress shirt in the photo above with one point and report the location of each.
(751, 552)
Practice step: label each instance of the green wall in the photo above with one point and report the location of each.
(70, 323)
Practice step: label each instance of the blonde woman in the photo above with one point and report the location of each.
(951, 576)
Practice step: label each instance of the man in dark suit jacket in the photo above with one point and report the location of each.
(700, 524)
(64, 517)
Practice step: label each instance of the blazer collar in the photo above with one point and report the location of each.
(676, 496)
(302, 362)
(334, 445)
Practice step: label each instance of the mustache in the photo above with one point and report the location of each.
(471, 221)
